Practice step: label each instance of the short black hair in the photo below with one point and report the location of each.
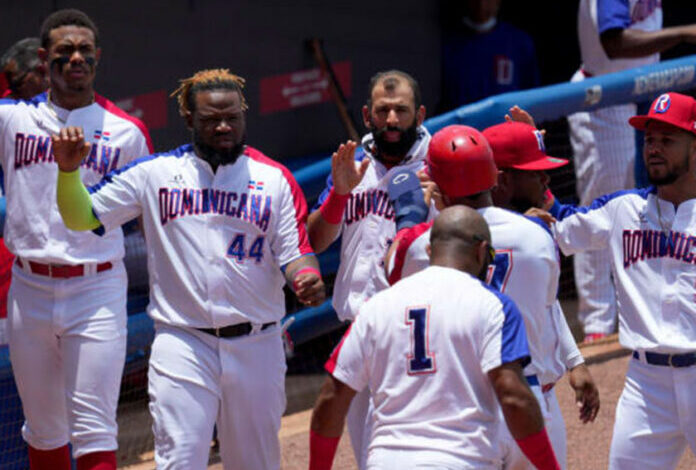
(391, 79)
(66, 17)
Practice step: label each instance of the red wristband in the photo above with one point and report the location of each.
(537, 448)
(321, 451)
(333, 206)
(306, 269)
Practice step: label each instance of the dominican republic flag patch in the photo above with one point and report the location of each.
(102, 135)
(258, 185)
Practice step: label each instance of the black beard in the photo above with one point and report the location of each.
(672, 176)
(398, 148)
(218, 157)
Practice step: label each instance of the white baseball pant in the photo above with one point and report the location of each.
(67, 341)
(512, 456)
(197, 380)
(359, 423)
(604, 153)
(655, 418)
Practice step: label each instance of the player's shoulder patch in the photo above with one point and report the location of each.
(34, 101)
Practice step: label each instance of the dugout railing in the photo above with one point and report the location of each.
(548, 105)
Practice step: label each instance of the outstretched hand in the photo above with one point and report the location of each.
(69, 148)
(345, 174)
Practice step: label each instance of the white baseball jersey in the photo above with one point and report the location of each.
(597, 16)
(368, 228)
(423, 347)
(651, 248)
(34, 228)
(527, 269)
(217, 242)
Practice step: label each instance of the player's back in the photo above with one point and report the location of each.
(428, 343)
(527, 269)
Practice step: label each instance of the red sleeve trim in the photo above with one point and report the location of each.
(405, 237)
(330, 365)
(115, 110)
(298, 198)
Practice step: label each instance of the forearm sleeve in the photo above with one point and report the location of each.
(74, 203)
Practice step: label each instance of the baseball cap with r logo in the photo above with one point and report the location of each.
(671, 108)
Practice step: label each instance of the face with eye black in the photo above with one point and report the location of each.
(72, 58)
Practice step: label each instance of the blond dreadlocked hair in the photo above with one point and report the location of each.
(210, 79)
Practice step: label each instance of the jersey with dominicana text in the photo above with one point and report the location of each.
(34, 228)
(424, 347)
(217, 242)
(368, 228)
(652, 258)
(527, 269)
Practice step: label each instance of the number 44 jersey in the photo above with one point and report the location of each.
(424, 347)
(216, 241)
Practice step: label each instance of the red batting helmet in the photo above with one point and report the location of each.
(461, 162)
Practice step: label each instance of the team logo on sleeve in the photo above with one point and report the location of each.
(662, 104)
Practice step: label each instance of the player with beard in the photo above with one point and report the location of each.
(225, 231)
(355, 205)
(649, 234)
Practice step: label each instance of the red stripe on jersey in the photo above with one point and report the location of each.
(405, 238)
(298, 198)
(330, 365)
(113, 109)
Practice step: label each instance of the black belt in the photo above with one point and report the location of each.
(671, 360)
(232, 331)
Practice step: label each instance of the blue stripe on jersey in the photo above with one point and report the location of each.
(540, 223)
(108, 178)
(514, 345)
(565, 210)
(360, 155)
(35, 101)
(613, 14)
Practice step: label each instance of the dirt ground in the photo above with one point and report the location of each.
(588, 445)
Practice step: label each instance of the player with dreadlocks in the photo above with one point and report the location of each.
(225, 230)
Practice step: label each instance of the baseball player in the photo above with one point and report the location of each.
(649, 234)
(433, 351)
(356, 207)
(614, 35)
(25, 76)
(225, 230)
(67, 300)
(461, 163)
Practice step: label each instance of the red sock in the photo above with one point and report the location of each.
(54, 459)
(105, 460)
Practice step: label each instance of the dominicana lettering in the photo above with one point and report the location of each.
(639, 245)
(362, 204)
(31, 149)
(180, 202)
